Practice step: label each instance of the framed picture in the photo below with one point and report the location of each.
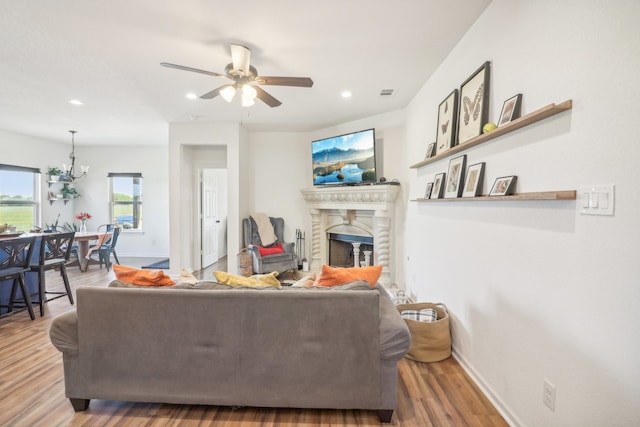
(431, 150)
(474, 104)
(510, 109)
(503, 186)
(427, 191)
(436, 192)
(455, 177)
(474, 180)
(447, 115)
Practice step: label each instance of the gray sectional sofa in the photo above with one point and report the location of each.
(300, 348)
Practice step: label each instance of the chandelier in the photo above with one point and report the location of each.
(70, 172)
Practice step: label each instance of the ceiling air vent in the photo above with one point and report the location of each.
(386, 92)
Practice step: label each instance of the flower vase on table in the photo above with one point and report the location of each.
(83, 217)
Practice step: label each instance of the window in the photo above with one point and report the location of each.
(19, 197)
(125, 191)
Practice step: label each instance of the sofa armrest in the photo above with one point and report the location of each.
(64, 332)
(289, 247)
(395, 338)
(254, 252)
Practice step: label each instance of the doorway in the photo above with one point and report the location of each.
(212, 215)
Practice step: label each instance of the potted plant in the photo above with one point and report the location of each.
(54, 173)
(69, 192)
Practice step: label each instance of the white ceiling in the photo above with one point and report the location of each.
(107, 54)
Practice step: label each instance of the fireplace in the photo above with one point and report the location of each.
(346, 249)
(356, 213)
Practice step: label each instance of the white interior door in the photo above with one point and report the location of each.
(209, 215)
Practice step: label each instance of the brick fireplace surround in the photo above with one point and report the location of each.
(363, 210)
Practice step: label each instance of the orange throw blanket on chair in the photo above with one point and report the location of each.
(142, 277)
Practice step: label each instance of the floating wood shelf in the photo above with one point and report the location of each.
(540, 195)
(51, 201)
(536, 116)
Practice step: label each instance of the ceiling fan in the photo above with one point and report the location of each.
(245, 78)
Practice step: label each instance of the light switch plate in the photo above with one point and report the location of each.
(596, 199)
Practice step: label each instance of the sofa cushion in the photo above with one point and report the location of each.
(258, 280)
(331, 276)
(202, 284)
(281, 257)
(271, 250)
(142, 277)
(306, 282)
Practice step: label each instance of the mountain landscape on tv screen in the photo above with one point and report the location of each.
(335, 165)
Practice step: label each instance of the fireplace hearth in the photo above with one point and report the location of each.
(357, 212)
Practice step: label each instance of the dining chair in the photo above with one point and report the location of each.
(55, 250)
(103, 228)
(15, 260)
(97, 246)
(108, 248)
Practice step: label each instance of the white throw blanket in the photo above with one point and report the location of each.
(265, 229)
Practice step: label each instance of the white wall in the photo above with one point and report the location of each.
(279, 162)
(536, 290)
(152, 162)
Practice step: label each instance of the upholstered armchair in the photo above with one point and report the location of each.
(263, 263)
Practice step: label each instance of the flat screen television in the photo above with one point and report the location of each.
(347, 159)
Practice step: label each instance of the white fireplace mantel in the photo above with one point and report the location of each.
(366, 206)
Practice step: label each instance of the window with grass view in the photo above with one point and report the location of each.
(126, 200)
(19, 198)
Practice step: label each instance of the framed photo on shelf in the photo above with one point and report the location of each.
(431, 150)
(438, 186)
(427, 191)
(447, 120)
(474, 104)
(510, 109)
(474, 180)
(455, 177)
(503, 186)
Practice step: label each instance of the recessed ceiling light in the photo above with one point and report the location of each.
(346, 94)
(76, 102)
(192, 96)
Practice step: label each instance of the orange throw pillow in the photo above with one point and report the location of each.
(142, 277)
(330, 276)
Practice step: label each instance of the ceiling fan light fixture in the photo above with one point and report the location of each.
(228, 93)
(249, 92)
(246, 102)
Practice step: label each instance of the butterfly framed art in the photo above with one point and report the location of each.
(473, 112)
(447, 121)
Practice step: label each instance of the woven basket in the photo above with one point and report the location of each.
(245, 263)
(430, 341)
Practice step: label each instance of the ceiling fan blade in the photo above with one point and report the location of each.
(285, 81)
(241, 57)
(214, 93)
(195, 70)
(266, 98)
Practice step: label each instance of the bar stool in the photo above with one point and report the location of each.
(55, 250)
(15, 260)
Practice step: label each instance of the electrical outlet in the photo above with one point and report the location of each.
(549, 395)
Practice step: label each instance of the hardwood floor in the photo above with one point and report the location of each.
(32, 385)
